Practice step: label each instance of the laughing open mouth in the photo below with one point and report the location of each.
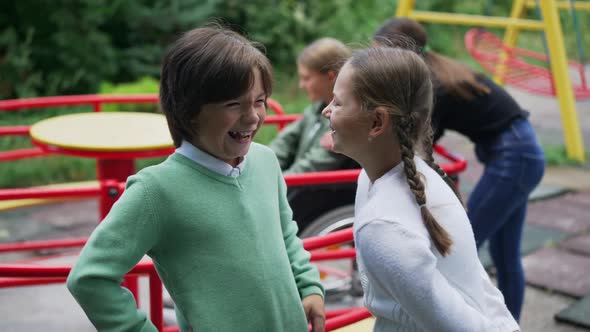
(241, 136)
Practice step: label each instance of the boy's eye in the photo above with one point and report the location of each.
(232, 104)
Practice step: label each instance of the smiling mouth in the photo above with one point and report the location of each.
(241, 136)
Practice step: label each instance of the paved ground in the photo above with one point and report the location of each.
(556, 246)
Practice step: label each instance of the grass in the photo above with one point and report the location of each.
(556, 155)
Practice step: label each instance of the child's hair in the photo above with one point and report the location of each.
(324, 55)
(398, 80)
(456, 78)
(207, 65)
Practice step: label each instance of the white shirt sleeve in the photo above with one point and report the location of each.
(400, 263)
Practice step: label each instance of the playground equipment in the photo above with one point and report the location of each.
(509, 65)
(510, 57)
(336, 235)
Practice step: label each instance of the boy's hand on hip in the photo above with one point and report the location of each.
(314, 311)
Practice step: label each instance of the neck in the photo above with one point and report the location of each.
(380, 158)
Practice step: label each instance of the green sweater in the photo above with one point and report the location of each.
(225, 248)
(298, 145)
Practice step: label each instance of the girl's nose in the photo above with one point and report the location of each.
(326, 112)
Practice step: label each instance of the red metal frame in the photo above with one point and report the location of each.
(486, 48)
(14, 275)
(109, 189)
(78, 100)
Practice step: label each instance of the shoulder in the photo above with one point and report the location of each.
(437, 190)
(153, 177)
(312, 109)
(261, 154)
(258, 150)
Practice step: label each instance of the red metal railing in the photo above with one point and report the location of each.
(15, 275)
(96, 101)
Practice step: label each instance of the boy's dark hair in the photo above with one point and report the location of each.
(207, 65)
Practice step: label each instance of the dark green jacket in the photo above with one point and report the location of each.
(298, 145)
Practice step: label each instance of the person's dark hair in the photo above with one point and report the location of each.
(398, 80)
(207, 65)
(456, 78)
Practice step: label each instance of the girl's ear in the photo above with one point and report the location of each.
(381, 122)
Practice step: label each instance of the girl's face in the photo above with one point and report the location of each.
(318, 86)
(349, 122)
(225, 130)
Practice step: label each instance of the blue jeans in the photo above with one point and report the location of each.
(514, 165)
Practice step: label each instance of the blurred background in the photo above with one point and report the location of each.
(61, 47)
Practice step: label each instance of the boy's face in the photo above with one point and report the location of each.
(226, 129)
(318, 86)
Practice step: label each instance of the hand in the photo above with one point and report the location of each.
(313, 305)
(327, 142)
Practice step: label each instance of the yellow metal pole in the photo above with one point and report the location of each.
(510, 38)
(580, 5)
(477, 20)
(559, 69)
(404, 8)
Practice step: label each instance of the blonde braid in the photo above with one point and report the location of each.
(436, 167)
(440, 237)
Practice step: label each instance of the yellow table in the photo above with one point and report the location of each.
(113, 139)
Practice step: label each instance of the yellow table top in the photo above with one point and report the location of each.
(104, 131)
(365, 325)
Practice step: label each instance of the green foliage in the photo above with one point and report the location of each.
(55, 47)
(144, 85)
(556, 155)
(70, 46)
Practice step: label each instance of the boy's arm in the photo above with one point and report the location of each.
(306, 275)
(116, 245)
(286, 143)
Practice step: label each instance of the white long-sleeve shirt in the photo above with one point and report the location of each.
(408, 285)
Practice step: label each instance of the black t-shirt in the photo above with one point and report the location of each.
(480, 118)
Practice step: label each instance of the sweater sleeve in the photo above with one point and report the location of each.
(285, 144)
(306, 275)
(115, 247)
(400, 263)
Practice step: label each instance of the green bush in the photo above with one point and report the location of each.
(144, 85)
(71, 46)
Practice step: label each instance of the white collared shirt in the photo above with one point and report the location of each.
(206, 160)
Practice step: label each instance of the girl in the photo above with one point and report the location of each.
(416, 253)
(505, 143)
(214, 216)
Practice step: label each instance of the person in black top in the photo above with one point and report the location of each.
(505, 142)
